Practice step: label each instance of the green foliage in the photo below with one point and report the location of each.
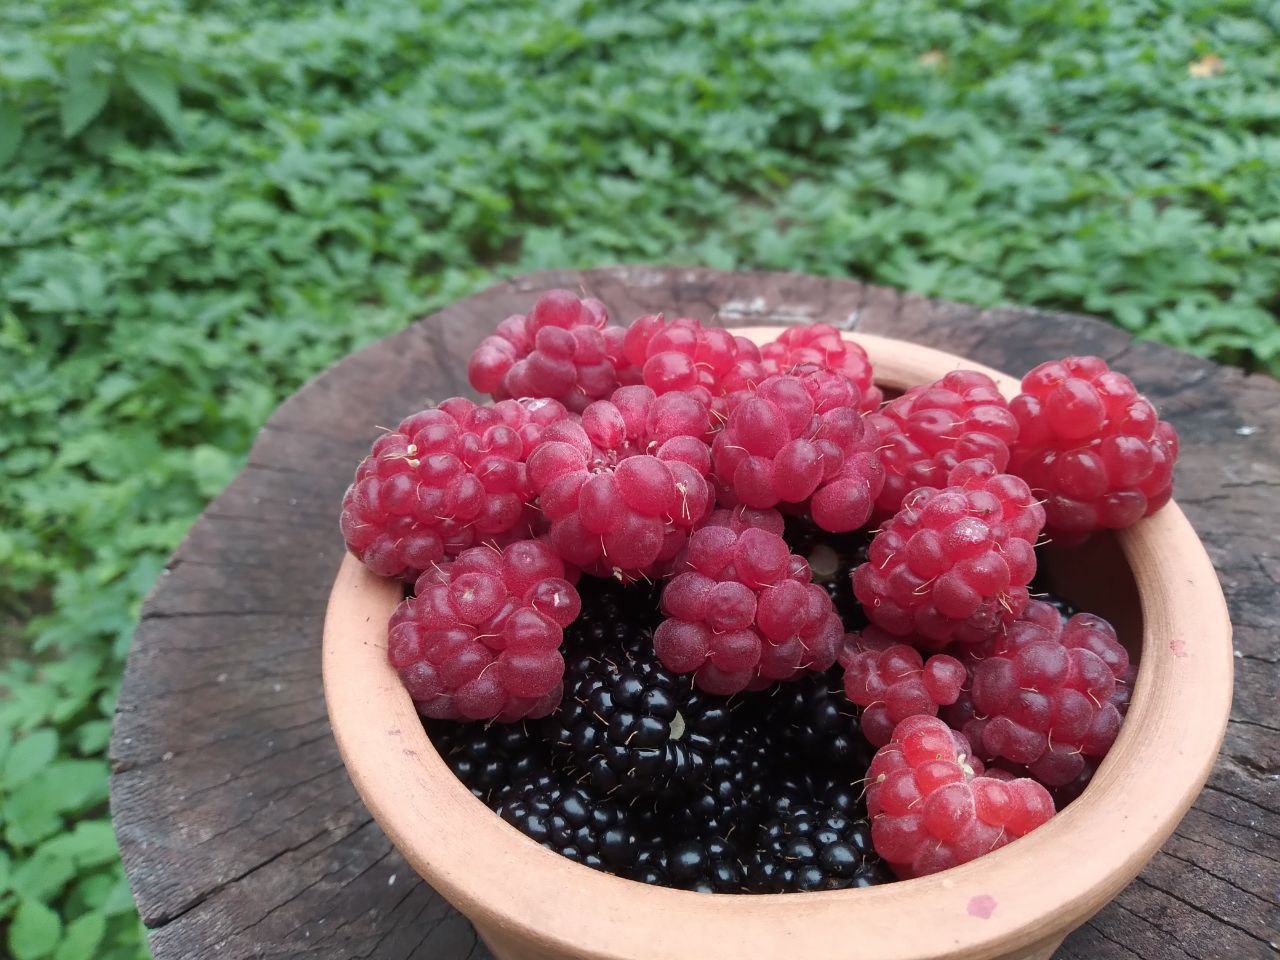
(204, 203)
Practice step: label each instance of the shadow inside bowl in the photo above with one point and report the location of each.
(1096, 578)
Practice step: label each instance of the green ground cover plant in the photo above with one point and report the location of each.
(204, 203)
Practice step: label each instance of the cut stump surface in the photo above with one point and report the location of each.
(241, 834)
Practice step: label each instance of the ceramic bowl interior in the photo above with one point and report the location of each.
(1153, 581)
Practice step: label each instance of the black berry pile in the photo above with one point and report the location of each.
(640, 773)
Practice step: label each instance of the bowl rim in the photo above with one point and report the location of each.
(1029, 893)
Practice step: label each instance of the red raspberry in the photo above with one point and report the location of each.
(743, 612)
(953, 564)
(444, 480)
(748, 368)
(931, 808)
(623, 488)
(1092, 446)
(801, 440)
(564, 349)
(929, 429)
(1045, 697)
(684, 355)
(891, 681)
(821, 345)
(480, 640)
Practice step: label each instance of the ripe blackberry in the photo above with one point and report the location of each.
(623, 488)
(832, 558)
(813, 846)
(802, 440)
(445, 479)
(750, 765)
(573, 822)
(564, 349)
(630, 725)
(489, 758)
(816, 724)
(742, 612)
(703, 865)
(891, 681)
(1091, 446)
(821, 345)
(930, 429)
(953, 564)
(480, 638)
(931, 808)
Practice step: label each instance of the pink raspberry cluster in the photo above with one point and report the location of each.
(928, 430)
(801, 441)
(931, 807)
(480, 638)
(564, 349)
(822, 346)
(443, 480)
(890, 680)
(671, 450)
(1047, 697)
(953, 564)
(743, 612)
(683, 355)
(1092, 446)
(624, 486)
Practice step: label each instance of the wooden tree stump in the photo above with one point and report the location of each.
(240, 832)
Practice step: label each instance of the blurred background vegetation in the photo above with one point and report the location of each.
(204, 203)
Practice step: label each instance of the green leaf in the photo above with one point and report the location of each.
(213, 469)
(82, 938)
(27, 818)
(10, 131)
(29, 756)
(93, 736)
(91, 843)
(67, 785)
(42, 875)
(87, 91)
(34, 931)
(156, 88)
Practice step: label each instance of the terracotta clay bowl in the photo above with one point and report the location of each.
(1153, 581)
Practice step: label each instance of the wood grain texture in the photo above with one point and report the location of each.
(240, 832)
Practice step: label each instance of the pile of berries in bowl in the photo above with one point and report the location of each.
(720, 616)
